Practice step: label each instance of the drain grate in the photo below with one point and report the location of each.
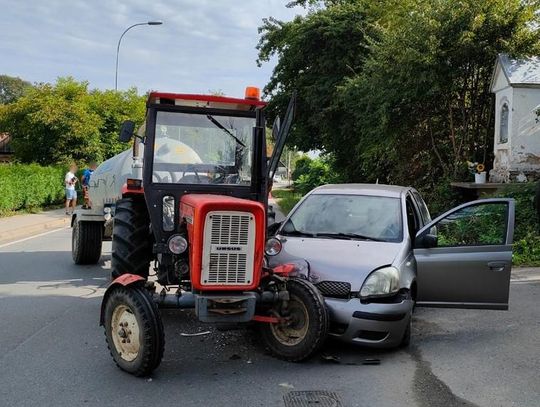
(315, 398)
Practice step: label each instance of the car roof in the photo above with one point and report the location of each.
(362, 189)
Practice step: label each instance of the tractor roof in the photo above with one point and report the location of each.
(211, 101)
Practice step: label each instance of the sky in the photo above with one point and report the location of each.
(202, 46)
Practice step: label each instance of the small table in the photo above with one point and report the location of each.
(472, 189)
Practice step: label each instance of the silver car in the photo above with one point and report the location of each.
(374, 253)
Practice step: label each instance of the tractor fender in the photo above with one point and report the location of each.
(124, 280)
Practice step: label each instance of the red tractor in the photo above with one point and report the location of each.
(194, 205)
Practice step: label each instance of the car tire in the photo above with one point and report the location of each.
(310, 322)
(86, 240)
(131, 240)
(133, 330)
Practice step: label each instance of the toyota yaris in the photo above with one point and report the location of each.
(374, 253)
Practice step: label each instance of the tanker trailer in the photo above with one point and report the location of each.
(92, 225)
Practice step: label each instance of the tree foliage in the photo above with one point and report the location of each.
(12, 88)
(397, 91)
(65, 122)
(314, 53)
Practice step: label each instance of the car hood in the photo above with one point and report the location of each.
(338, 260)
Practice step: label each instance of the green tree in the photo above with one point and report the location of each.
(397, 91)
(422, 104)
(52, 124)
(113, 108)
(12, 88)
(314, 53)
(63, 122)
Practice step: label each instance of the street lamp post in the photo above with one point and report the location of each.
(118, 46)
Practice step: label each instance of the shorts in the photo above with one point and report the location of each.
(71, 194)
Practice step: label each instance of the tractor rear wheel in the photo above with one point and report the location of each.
(304, 330)
(86, 239)
(131, 240)
(134, 330)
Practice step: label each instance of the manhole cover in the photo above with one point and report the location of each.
(316, 398)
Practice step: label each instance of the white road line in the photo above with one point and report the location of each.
(32, 237)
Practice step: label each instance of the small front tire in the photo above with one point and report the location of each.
(306, 329)
(133, 329)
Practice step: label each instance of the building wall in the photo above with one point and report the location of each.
(525, 130)
(502, 151)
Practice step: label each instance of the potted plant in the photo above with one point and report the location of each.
(478, 170)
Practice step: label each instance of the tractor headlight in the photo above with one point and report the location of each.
(273, 246)
(381, 282)
(177, 244)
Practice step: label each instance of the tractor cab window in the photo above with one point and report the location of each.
(202, 149)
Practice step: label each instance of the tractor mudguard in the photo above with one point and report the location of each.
(124, 280)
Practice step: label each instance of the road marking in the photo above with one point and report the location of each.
(33, 237)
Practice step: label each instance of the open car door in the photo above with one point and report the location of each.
(280, 133)
(464, 257)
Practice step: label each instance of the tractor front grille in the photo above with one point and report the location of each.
(334, 289)
(229, 243)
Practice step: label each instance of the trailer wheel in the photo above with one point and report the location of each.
(134, 330)
(131, 243)
(86, 239)
(306, 328)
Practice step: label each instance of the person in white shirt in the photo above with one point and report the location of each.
(71, 195)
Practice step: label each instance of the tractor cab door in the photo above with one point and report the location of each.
(280, 133)
(464, 257)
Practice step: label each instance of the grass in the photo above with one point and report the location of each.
(286, 199)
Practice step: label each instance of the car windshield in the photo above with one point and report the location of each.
(202, 149)
(360, 217)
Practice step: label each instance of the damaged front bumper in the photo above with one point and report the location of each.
(378, 325)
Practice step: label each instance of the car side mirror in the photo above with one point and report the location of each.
(126, 131)
(273, 228)
(426, 241)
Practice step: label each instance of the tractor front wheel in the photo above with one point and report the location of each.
(305, 327)
(133, 329)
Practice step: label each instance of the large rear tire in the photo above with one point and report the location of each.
(307, 326)
(131, 240)
(86, 239)
(134, 330)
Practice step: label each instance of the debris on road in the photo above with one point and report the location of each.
(195, 334)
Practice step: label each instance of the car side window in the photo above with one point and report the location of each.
(413, 222)
(477, 225)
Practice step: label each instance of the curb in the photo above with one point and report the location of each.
(27, 231)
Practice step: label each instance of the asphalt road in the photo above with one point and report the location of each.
(53, 353)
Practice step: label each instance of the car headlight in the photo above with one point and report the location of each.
(273, 246)
(381, 282)
(177, 244)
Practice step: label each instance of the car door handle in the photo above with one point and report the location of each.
(497, 265)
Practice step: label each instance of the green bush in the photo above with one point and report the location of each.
(286, 199)
(28, 186)
(527, 227)
(318, 172)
